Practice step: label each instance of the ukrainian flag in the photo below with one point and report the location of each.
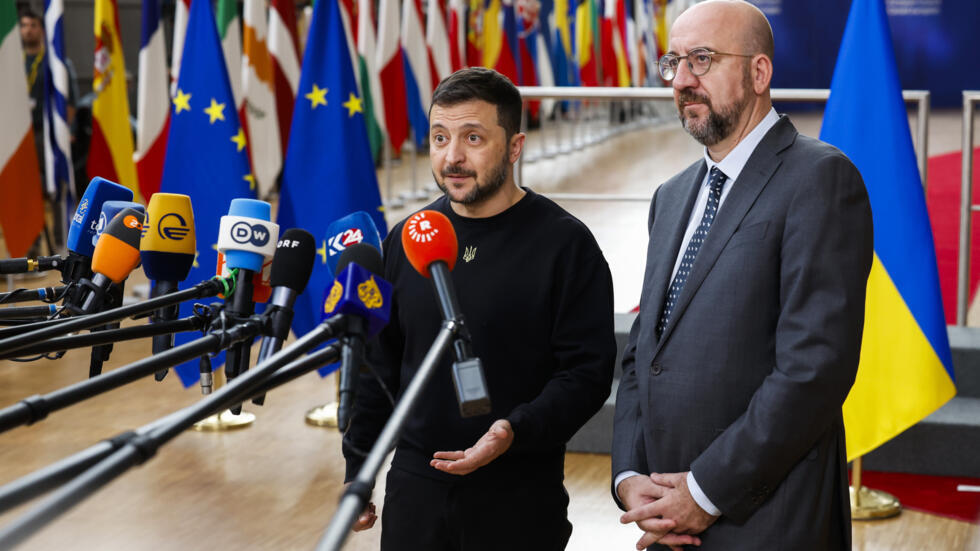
(906, 369)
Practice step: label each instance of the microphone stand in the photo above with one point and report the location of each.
(358, 493)
(22, 312)
(237, 358)
(44, 330)
(37, 407)
(138, 447)
(100, 353)
(37, 483)
(25, 295)
(57, 344)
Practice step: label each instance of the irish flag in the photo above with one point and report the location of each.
(111, 153)
(21, 209)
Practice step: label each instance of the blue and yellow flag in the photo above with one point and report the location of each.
(906, 369)
(329, 172)
(207, 157)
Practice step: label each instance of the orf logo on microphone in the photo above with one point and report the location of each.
(420, 229)
(173, 226)
(256, 234)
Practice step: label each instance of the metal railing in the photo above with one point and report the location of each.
(529, 93)
(970, 98)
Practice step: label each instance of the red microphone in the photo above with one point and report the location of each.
(431, 247)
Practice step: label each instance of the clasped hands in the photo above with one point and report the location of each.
(662, 506)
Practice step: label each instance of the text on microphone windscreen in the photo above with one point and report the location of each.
(292, 264)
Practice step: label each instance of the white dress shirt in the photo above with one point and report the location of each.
(731, 166)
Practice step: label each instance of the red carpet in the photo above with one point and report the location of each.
(929, 494)
(943, 199)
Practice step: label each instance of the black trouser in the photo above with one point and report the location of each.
(425, 514)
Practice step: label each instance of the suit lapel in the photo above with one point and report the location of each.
(669, 226)
(751, 181)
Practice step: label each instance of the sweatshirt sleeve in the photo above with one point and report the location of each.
(583, 346)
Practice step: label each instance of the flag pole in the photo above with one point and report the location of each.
(869, 504)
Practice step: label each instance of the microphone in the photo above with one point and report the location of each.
(24, 265)
(357, 227)
(116, 255)
(292, 266)
(109, 211)
(245, 238)
(85, 221)
(167, 249)
(430, 244)
(360, 292)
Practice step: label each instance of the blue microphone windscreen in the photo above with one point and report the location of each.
(86, 218)
(250, 208)
(358, 292)
(109, 211)
(260, 235)
(357, 227)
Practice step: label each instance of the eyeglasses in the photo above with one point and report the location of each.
(698, 61)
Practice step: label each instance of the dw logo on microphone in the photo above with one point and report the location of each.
(256, 234)
(173, 226)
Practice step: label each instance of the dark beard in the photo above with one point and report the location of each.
(719, 124)
(484, 189)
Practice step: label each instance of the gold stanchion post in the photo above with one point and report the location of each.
(868, 504)
(226, 420)
(326, 415)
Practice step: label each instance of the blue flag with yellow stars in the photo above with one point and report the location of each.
(207, 157)
(329, 171)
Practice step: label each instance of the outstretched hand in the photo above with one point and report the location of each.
(490, 446)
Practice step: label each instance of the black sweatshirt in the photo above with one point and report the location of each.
(536, 294)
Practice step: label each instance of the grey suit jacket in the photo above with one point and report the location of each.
(745, 386)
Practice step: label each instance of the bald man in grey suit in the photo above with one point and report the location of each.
(728, 431)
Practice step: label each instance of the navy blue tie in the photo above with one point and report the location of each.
(715, 182)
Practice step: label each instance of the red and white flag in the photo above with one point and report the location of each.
(284, 51)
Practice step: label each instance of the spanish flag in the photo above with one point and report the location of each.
(111, 153)
(906, 369)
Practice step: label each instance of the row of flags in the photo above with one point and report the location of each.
(399, 55)
(362, 81)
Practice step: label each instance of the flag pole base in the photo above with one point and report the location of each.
(323, 416)
(868, 504)
(225, 421)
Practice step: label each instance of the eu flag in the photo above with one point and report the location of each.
(206, 156)
(329, 172)
(906, 369)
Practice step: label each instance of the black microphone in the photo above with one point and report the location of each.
(292, 266)
(367, 258)
(430, 245)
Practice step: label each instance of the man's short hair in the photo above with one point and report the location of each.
(30, 14)
(480, 83)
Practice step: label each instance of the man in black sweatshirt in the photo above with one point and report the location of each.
(537, 297)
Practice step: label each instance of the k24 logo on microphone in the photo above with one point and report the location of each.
(420, 229)
(344, 239)
(256, 234)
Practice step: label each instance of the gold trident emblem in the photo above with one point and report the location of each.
(333, 298)
(370, 294)
(469, 253)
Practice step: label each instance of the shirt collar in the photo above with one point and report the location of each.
(734, 162)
